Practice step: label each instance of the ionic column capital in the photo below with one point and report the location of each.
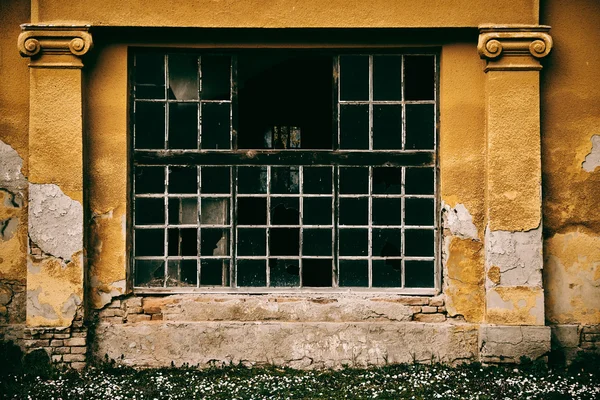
(514, 47)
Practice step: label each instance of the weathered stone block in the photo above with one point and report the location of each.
(56, 343)
(62, 335)
(115, 304)
(430, 318)
(78, 365)
(133, 302)
(138, 318)
(62, 350)
(73, 357)
(565, 336)
(428, 310)
(37, 343)
(507, 344)
(56, 358)
(78, 350)
(437, 301)
(75, 342)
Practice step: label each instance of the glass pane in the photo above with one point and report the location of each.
(215, 180)
(354, 127)
(354, 242)
(183, 211)
(251, 273)
(316, 272)
(252, 180)
(317, 180)
(419, 77)
(149, 76)
(183, 126)
(387, 180)
(419, 181)
(215, 126)
(419, 242)
(419, 212)
(214, 272)
(149, 211)
(284, 180)
(285, 211)
(420, 126)
(149, 242)
(387, 127)
(149, 125)
(387, 211)
(354, 180)
(354, 211)
(419, 274)
(317, 242)
(149, 180)
(386, 242)
(284, 273)
(182, 273)
(387, 71)
(317, 211)
(252, 242)
(183, 77)
(252, 211)
(183, 242)
(216, 77)
(354, 78)
(183, 180)
(149, 273)
(284, 241)
(215, 242)
(214, 211)
(354, 273)
(386, 273)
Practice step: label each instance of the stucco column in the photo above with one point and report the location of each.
(55, 289)
(513, 237)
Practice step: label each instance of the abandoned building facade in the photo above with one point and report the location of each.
(301, 183)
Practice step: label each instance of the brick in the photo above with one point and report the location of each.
(436, 301)
(73, 357)
(441, 309)
(56, 358)
(79, 334)
(62, 350)
(56, 343)
(592, 337)
(47, 336)
(135, 310)
(114, 320)
(75, 342)
(158, 317)
(78, 365)
(78, 350)
(591, 329)
(62, 335)
(36, 343)
(429, 317)
(133, 302)
(414, 301)
(429, 310)
(415, 309)
(138, 318)
(115, 304)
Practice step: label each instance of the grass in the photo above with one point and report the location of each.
(533, 381)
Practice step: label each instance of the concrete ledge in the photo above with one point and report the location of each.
(507, 344)
(296, 345)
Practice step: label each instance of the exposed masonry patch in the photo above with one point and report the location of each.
(55, 221)
(459, 221)
(102, 296)
(11, 177)
(8, 227)
(518, 255)
(592, 160)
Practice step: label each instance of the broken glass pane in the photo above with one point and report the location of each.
(215, 180)
(284, 273)
(183, 242)
(283, 137)
(284, 241)
(354, 211)
(214, 272)
(183, 77)
(215, 126)
(354, 242)
(252, 180)
(183, 180)
(285, 211)
(387, 127)
(214, 242)
(252, 242)
(149, 180)
(354, 127)
(419, 274)
(387, 211)
(149, 211)
(420, 126)
(354, 273)
(251, 273)
(149, 125)
(252, 211)
(183, 126)
(149, 273)
(419, 242)
(284, 180)
(316, 272)
(386, 273)
(317, 211)
(214, 211)
(354, 78)
(149, 76)
(354, 180)
(182, 273)
(317, 242)
(419, 181)
(149, 242)
(418, 212)
(216, 77)
(183, 211)
(386, 242)
(387, 180)
(317, 180)
(387, 71)
(419, 78)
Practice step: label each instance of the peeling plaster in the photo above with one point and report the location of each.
(459, 221)
(55, 221)
(37, 309)
(104, 293)
(517, 255)
(592, 160)
(11, 177)
(8, 227)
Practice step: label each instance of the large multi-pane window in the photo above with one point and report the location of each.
(284, 169)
